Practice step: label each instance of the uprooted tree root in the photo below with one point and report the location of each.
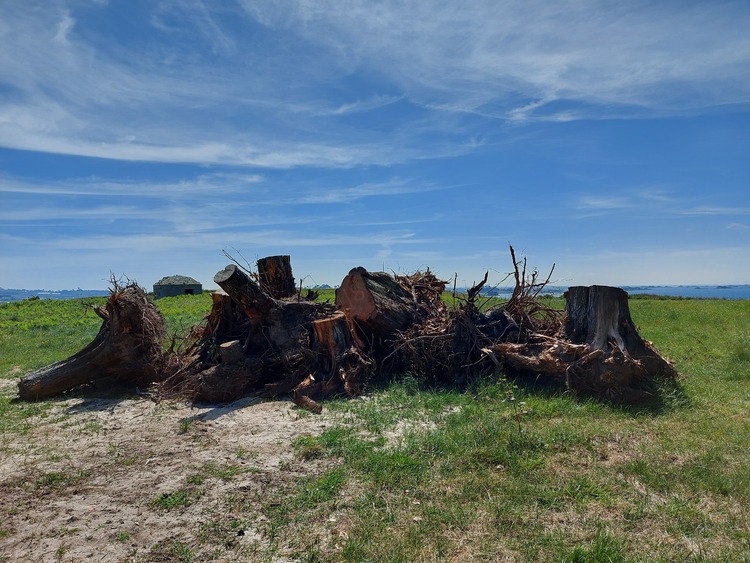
(129, 346)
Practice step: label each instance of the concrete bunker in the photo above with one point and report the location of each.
(170, 286)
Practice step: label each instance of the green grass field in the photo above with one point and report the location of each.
(515, 470)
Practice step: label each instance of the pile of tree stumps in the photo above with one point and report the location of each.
(262, 337)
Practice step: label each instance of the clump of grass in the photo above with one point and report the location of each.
(61, 479)
(603, 546)
(172, 550)
(196, 479)
(741, 351)
(15, 416)
(315, 491)
(583, 489)
(180, 498)
(225, 472)
(185, 424)
(307, 447)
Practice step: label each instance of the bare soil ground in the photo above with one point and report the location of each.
(129, 479)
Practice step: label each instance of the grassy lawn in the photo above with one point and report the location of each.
(515, 470)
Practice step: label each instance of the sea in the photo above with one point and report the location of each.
(684, 291)
(9, 295)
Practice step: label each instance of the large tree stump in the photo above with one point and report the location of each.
(275, 274)
(226, 319)
(340, 363)
(128, 347)
(376, 304)
(599, 353)
(618, 359)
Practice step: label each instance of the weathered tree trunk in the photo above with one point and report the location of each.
(376, 304)
(333, 337)
(128, 346)
(598, 315)
(231, 352)
(226, 319)
(540, 356)
(341, 362)
(276, 279)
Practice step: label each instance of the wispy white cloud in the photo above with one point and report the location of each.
(652, 201)
(63, 28)
(394, 186)
(604, 202)
(710, 210)
(657, 265)
(360, 106)
(213, 183)
(529, 54)
(209, 83)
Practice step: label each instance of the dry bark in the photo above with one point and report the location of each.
(255, 302)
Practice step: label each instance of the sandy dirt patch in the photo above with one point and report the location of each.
(113, 479)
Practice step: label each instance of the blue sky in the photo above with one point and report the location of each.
(144, 139)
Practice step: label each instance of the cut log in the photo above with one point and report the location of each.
(231, 352)
(275, 274)
(249, 296)
(128, 347)
(303, 393)
(226, 321)
(376, 304)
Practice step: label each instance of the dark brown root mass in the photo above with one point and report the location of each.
(593, 348)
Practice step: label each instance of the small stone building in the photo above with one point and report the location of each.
(176, 285)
